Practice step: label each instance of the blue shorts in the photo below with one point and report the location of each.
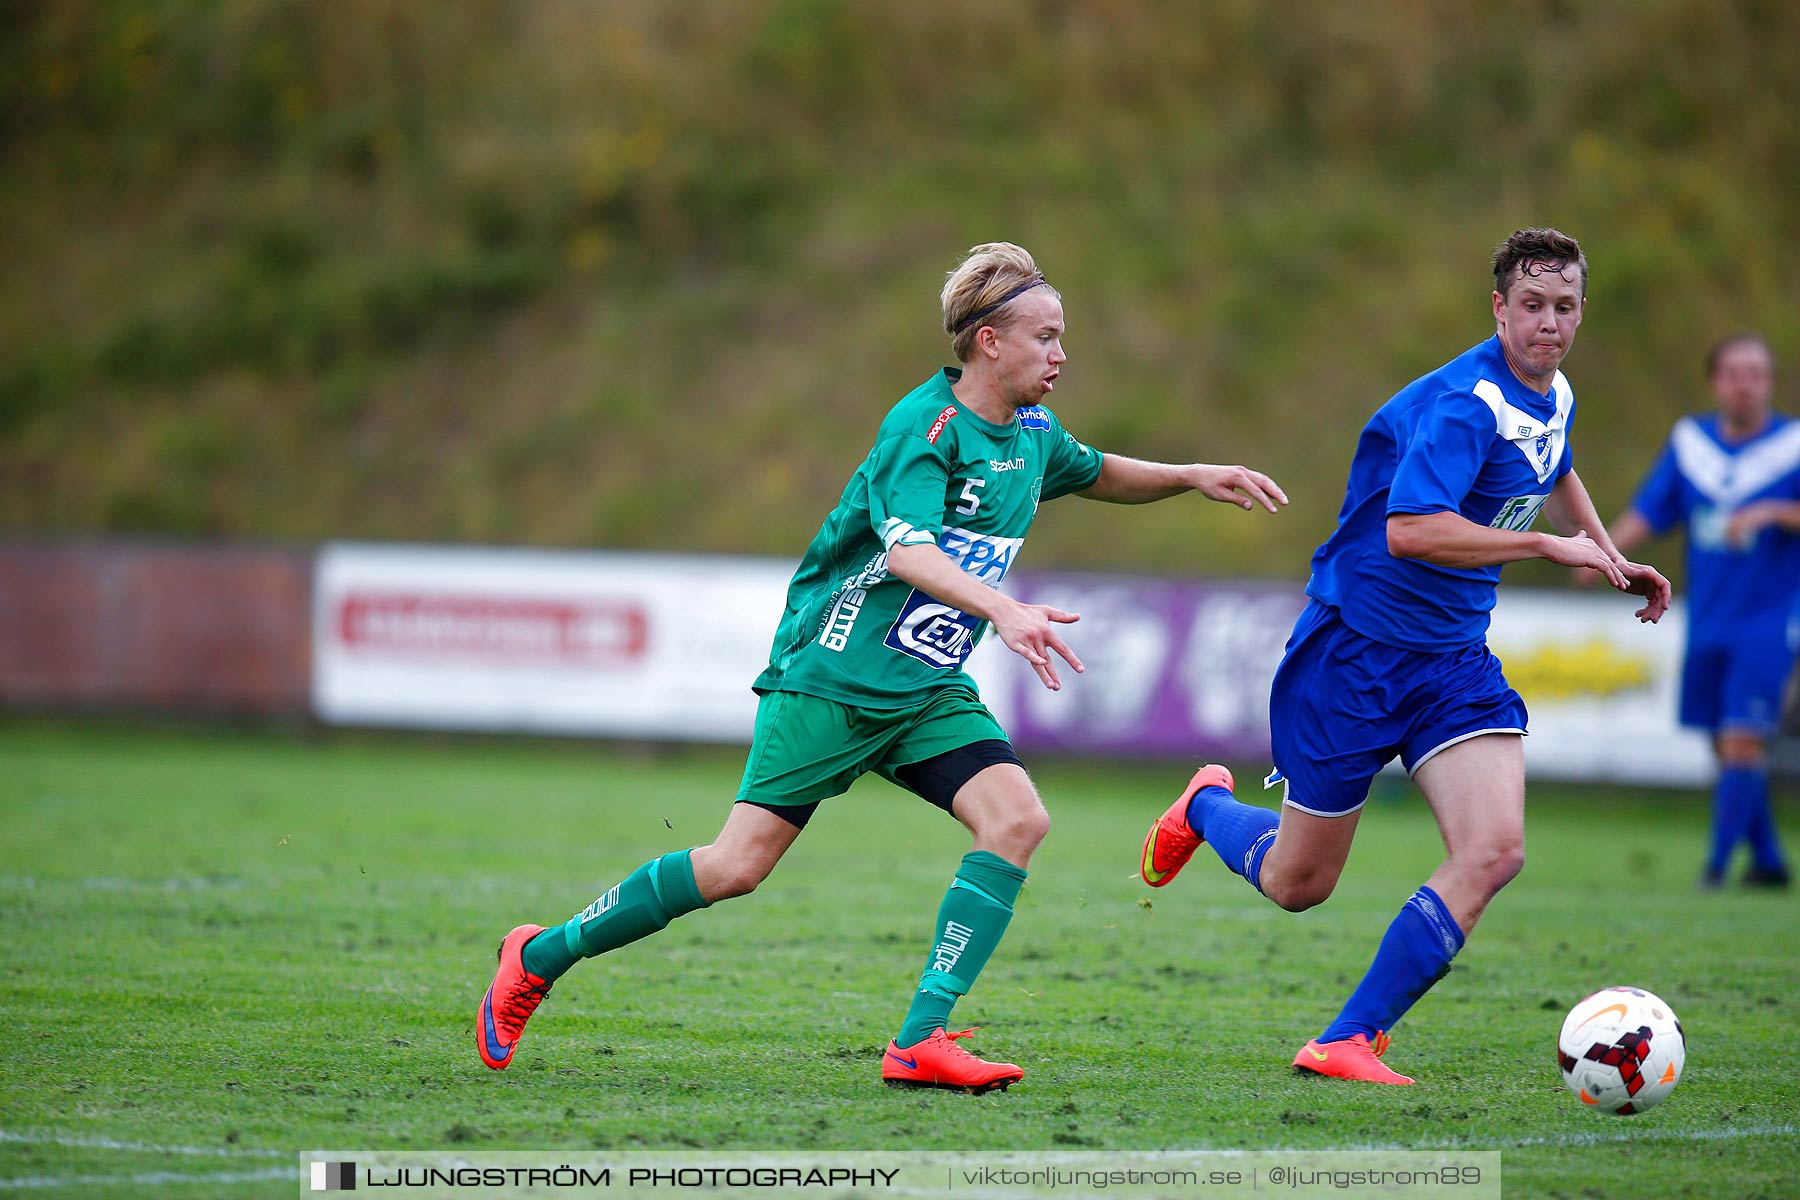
(1343, 706)
(1736, 684)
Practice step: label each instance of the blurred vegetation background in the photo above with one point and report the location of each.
(640, 273)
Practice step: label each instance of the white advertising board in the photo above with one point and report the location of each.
(621, 644)
(1601, 688)
(665, 646)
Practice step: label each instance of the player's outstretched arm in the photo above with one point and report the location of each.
(1029, 630)
(1449, 539)
(1133, 481)
(1752, 519)
(1571, 508)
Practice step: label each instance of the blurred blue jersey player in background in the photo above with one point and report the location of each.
(1391, 659)
(1731, 480)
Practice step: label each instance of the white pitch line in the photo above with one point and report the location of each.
(148, 1178)
(1587, 1139)
(100, 1143)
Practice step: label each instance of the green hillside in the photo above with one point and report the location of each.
(640, 273)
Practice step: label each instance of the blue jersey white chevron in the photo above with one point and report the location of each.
(1700, 479)
(1468, 438)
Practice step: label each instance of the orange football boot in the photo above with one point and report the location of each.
(1351, 1058)
(1170, 842)
(510, 1000)
(937, 1062)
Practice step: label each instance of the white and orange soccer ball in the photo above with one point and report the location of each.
(1621, 1050)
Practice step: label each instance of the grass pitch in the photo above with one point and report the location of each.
(223, 949)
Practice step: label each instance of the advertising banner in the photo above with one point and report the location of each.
(1183, 668)
(1174, 668)
(665, 646)
(1601, 687)
(618, 644)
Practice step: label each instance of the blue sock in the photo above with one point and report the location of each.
(1765, 847)
(1240, 834)
(1734, 801)
(1415, 953)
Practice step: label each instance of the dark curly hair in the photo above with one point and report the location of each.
(1534, 251)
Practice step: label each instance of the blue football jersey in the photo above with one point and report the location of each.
(1468, 438)
(1698, 481)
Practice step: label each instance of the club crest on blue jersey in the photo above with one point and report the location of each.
(1035, 417)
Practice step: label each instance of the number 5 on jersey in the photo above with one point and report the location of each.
(968, 494)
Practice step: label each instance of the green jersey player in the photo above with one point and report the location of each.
(866, 673)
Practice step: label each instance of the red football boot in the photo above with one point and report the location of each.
(1352, 1058)
(937, 1062)
(1170, 842)
(510, 1000)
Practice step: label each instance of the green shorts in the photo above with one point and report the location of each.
(807, 748)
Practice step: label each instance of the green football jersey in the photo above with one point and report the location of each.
(937, 474)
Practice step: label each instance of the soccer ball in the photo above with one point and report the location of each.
(1621, 1050)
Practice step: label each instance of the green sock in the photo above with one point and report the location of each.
(646, 901)
(970, 923)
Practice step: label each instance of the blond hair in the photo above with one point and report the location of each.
(979, 292)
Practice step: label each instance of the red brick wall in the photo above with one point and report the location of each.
(130, 626)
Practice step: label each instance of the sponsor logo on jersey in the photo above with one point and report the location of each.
(982, 555)
(937, 426)
(934, 633)
(1708, 527)
(840, 618)
(1006, 464)
(1035, 417)
(1518, 513)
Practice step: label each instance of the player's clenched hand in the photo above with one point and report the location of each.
(1029, 630)
(1238, 485)
(1646, 581)
(1583, 551)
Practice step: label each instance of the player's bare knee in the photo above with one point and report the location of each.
(724, 874)
(1741, 750)
(1016, 830)
(1511, 862)
(738, 879)
(1493, 865)
(1301, 891)
(1024, 828)
(1034, 826)
(1298, 899)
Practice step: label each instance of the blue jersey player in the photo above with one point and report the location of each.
(1731, 480)
(1390, 657)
